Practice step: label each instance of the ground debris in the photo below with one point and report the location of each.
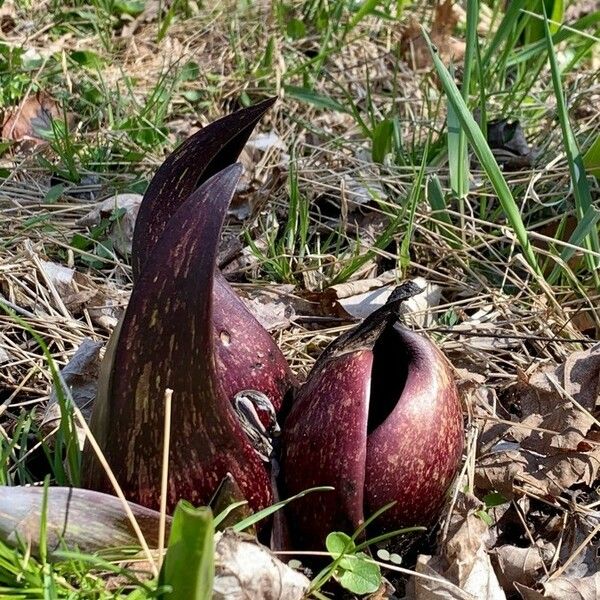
(245, 569)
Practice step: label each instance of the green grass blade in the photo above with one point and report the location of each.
(413, 200)
(504, 30)
(486, 158)
(266, 512)
(309, 96)
(437, 201)
(581, 190)
(565, 33)
(456, 153)
(66, 440)
(457, 141)
(585, 226)
(189, 564)
(591, 159)
(367, 7)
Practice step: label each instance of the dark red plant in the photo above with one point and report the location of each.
(166, 340)
(247, 356)
(379, 419)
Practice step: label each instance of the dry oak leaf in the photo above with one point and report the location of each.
(515, 564)
(465, 563)
(564, 588)
(126, 207)
(579, 377)
(414, 48)
(499, 470)
(31, 119)
(542, 475)
(244, 569)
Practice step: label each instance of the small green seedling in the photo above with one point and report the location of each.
(355, 571)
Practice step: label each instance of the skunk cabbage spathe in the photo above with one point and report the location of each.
(166, 340)
(379, 419)
(247, 356)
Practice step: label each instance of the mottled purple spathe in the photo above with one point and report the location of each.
(166, 341)
(379, 424)
(247, 356)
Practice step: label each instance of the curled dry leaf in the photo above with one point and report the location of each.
(122, 209)
(78, 291)
(81, 519)
(433, 586)
(272, 307)
(555, 445)
(579, 377)
(80, 376)
(414, 47)
(31, 119)
(572, 588)
(464, 562)
(245, 569)
(516, 564)
(564, 588)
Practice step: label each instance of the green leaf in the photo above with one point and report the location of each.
(581, 190)
(80, 242)
(360, 575)
(354, 571)
(367, 7)
(485, 156)
(382, 140)
(309, 96)
(192, 95)
(338, 543)
(190, 71)
(457, 156)
(591, 159)
(413, 199)
(54, 193)
(31, 61)
(295, 29)
(494, 499)
(565, 33)
(87, 58)
(189, 564)
(266, 512)
(132, 8)
(485, 517)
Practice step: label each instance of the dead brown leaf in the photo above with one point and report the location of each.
(499, 470)
(125, 207)
(554, 446)
(579, 376)
(245, 569)
(464, 562)
(31, 119)
(273, 308)
(80, 376)
(565, 588)
(414, 47)
(515, 564)
(78, 292)
(573, 588)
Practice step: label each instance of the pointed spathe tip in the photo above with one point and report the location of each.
(226, 179)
